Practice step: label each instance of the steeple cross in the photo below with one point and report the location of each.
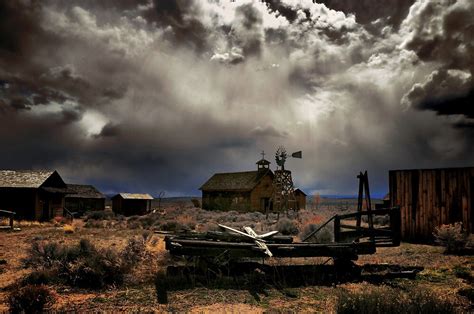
(263, 154)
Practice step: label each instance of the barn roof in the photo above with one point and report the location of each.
(24, 178)
(134, 196)
(83, 191)
(300, 191)
(234, 181)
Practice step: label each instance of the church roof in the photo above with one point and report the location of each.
(235, 181)
(263, 162)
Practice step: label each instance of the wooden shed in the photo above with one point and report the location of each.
(431, 197)
(241, 191)
(129, 204)
(32, 194)
(81, 198)
(300, 199)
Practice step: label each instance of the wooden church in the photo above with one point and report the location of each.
(240, 191)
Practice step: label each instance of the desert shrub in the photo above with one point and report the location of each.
(173, 226)
(186, 220)
(99, 215)
(95, 270)
(387, 301)
(287, 227)
(83, 265)
(451, 237)
(39, 277)
(325, 235)
(92, 223)
(30, 299)
(147, 221)
(44, 254)
(196, 203)
(134, 251)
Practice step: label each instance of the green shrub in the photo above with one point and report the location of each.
(452, 237)
(30, 299)
(287, 227)
(388, 301)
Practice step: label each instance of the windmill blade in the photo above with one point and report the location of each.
(264, 247)
(267, 235)
(251, 232)
(298, 154)
(260, 236)
(237, 231)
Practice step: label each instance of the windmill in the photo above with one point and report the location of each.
(283, 196)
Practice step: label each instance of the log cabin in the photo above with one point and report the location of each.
(32, 194)
(81, 198)
(129, 204)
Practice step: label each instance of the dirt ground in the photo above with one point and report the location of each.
(138, 292)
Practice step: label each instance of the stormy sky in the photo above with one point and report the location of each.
(150, 96)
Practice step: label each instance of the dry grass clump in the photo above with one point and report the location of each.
(82, 265)
(68, 229)
(31, 299)
(388, 300)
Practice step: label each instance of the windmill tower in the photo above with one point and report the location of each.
(283, 196)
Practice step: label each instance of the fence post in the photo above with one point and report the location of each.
(337, 228)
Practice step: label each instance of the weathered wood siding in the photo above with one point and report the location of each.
(226, 200)
(300, 200)
(429, 198)
(263, 189)
(131, 207)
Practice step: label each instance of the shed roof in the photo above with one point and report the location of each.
(24, 178)
(83, 191)
(234, 181)
(134, 196)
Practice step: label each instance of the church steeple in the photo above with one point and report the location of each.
(263, 164)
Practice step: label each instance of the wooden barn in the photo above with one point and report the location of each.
(32, 194)
(241, 191)
(129, 204)
(431, 197)
(300, 199)
(81, 198)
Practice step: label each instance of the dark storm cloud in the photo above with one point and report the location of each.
(157, 95)
(183, 19)
(18, 24)
(462, 105)
(282, 9)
